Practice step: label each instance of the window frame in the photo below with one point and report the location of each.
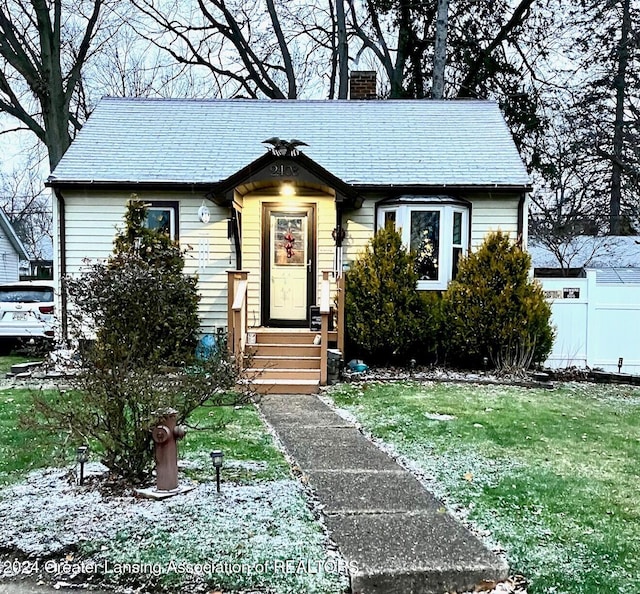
(403, 208)
(173, 207)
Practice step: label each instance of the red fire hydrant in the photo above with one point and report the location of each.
(165, 436)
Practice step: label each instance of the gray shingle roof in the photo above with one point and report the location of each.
(431, 143)
(617, 276)
(591, 252)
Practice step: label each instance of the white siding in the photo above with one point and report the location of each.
(92, 221)
(9, 261)
(491, 213)
(93, 218)
(360, 227)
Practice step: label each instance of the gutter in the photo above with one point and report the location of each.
(431, 188)
(521, 203)
(132, 186)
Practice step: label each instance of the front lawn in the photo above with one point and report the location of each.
(22, 449)
(14, 359)
(552, 474)
(257, 535)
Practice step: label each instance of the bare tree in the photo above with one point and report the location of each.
(243, 46)
(620, 86)
(27, 205)
(44, 45)
(440, 53)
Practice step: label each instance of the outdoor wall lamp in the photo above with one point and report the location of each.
(216, 459)
(82, 457)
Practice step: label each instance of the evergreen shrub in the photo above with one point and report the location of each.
(494, 309)
(387, 319)
(142, 311)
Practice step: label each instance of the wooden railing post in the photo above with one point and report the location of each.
(341, 313)
(325, 311)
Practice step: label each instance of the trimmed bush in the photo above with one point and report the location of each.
(494, 309)
(143, 312)
(387, 319)
(143, 308)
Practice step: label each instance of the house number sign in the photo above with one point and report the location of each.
(283, 170)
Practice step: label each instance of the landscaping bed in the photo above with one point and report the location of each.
(549, 475)
(257, 535)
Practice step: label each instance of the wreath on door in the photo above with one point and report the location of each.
(289, 240)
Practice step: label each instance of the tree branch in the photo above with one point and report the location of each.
(517, 18)
(286, 56)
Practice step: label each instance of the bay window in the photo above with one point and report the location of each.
(435, 229)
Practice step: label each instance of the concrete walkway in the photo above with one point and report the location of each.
(382, 519)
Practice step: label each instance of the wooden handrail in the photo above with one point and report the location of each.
(341, 313)
(240, 296)
(325, 311)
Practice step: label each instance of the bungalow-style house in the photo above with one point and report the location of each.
(12, 252)
(286, 194)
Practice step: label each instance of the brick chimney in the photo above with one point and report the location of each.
(362, 84)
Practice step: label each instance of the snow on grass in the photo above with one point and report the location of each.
(260, 537)
(548, 473)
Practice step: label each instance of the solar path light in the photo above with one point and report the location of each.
(82, 457)
(216, 459)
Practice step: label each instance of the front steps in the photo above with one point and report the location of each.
(284, 361)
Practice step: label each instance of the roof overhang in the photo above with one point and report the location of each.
(271, 170)
(399, 189)
(128, 185)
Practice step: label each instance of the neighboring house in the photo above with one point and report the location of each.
(445, 172)
(615, 257)
(12, 252)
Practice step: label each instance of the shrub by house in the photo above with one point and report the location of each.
(494, 309)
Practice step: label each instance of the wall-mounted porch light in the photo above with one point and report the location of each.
(216, 459)
(287, 190)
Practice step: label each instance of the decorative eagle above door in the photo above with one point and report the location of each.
(284, 148)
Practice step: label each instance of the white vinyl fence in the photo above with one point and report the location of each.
(597, 321)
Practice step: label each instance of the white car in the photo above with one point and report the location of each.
(26, 311)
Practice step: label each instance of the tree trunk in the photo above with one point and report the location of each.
(343, 52)
(622, 57)
(440, 52)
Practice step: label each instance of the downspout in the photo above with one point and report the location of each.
(234, 232)
(339, 238)
(521, 204)
(63, 261)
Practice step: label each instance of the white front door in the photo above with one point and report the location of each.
(289, 266)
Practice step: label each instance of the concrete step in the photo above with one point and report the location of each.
(19, 368)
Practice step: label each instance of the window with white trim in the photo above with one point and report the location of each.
(436, 229)
(163, 216)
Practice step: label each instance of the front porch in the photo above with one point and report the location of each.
(283, 360)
